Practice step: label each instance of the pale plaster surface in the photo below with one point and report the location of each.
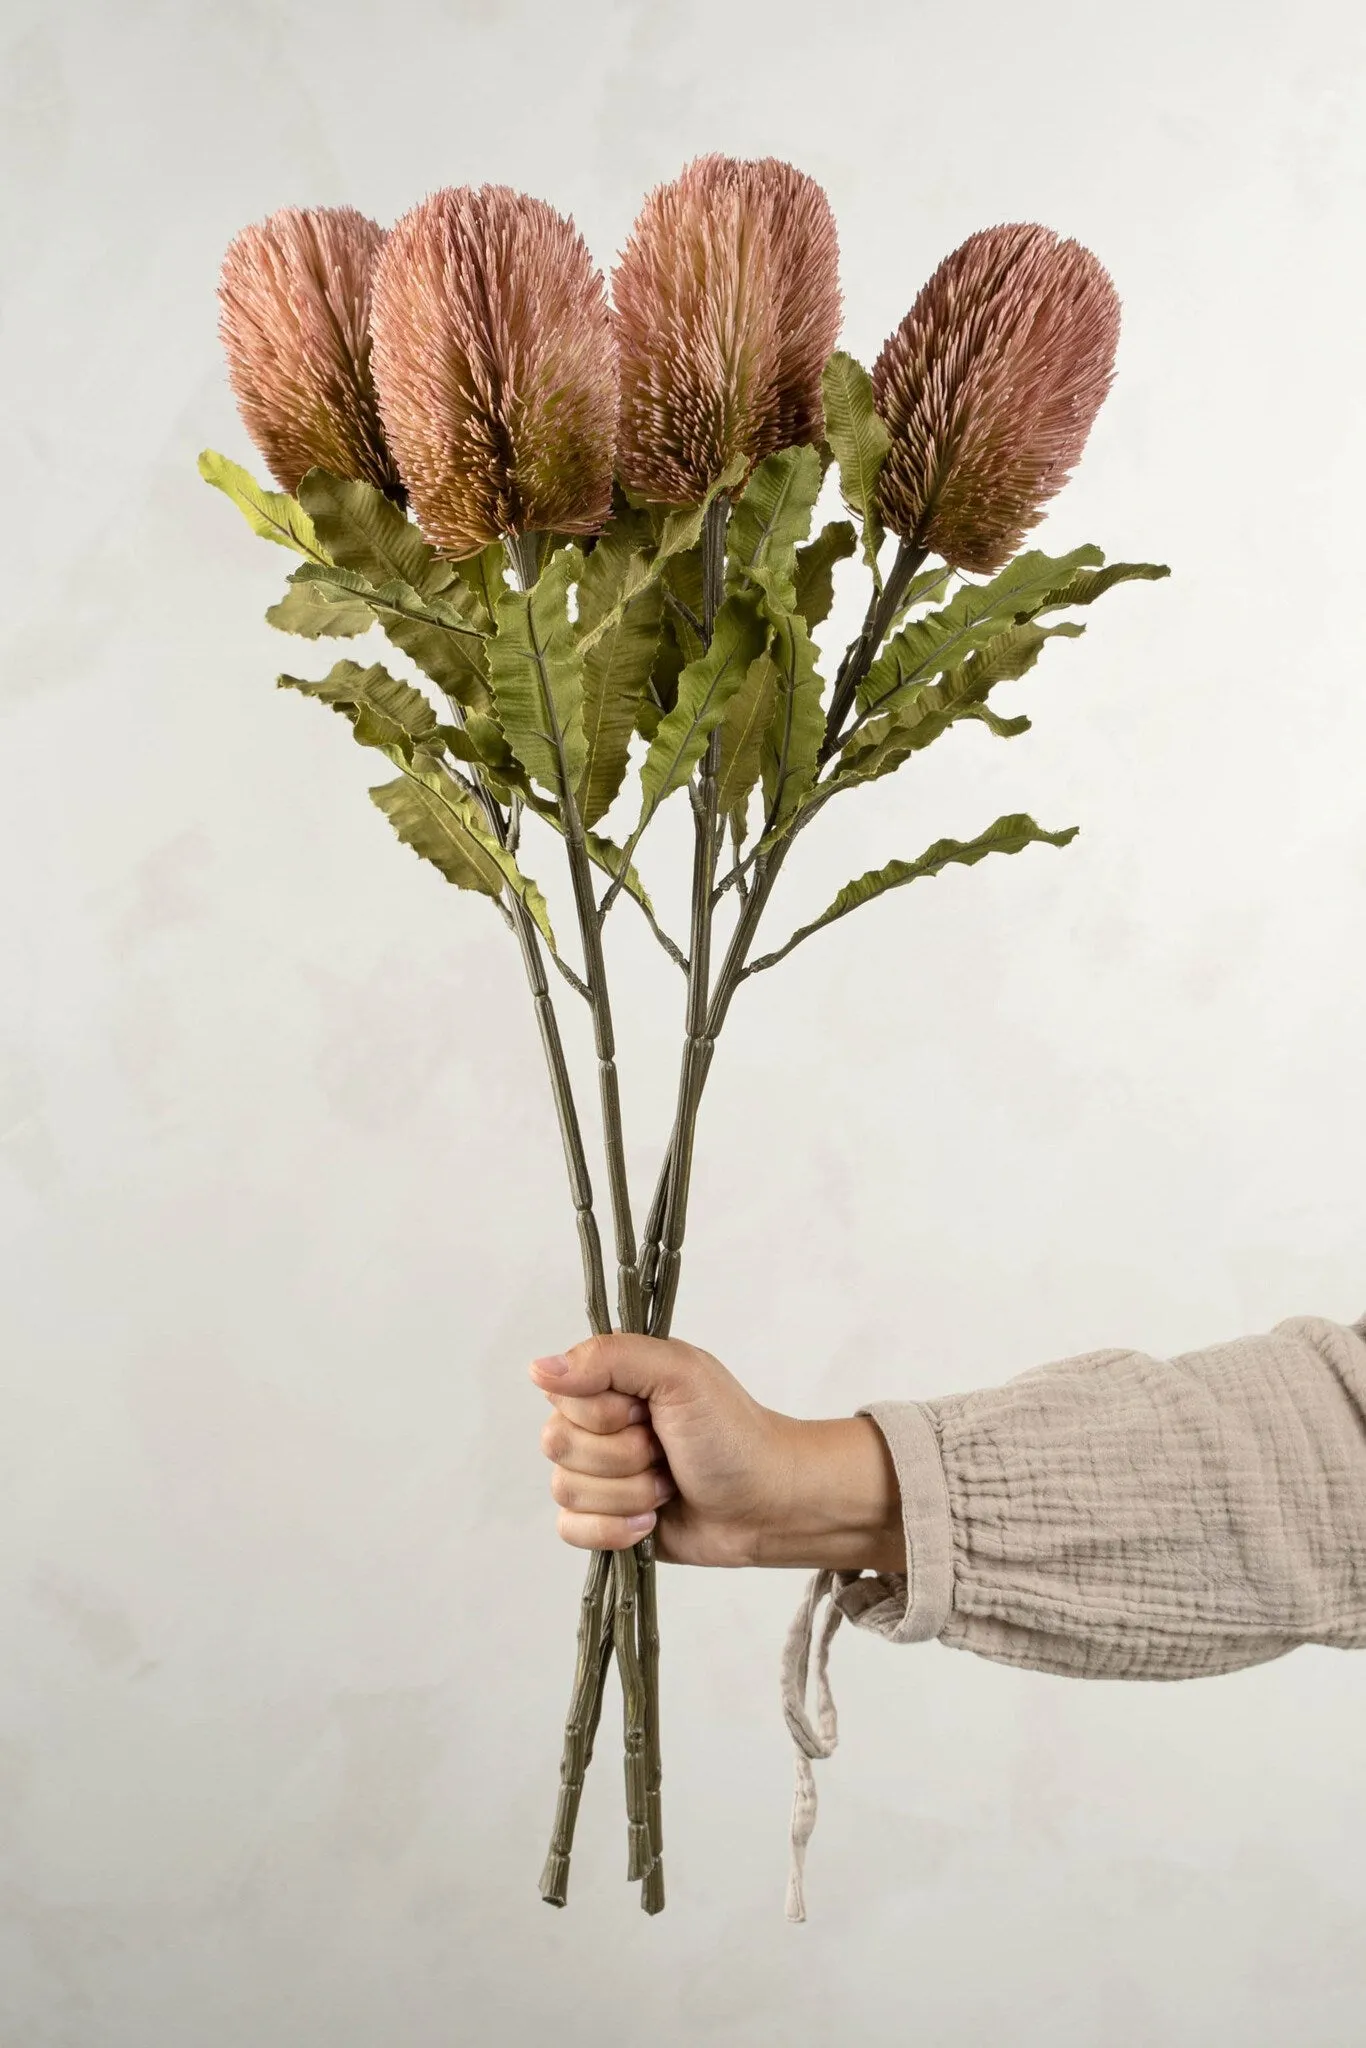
(284, 1632)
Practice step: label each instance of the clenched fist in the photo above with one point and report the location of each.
(650, 1433)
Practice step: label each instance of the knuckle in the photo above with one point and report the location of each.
(553, 1437)
(636, 1449)
(562, 1487)
(594, 1355)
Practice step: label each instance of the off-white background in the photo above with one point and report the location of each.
(285, 1633)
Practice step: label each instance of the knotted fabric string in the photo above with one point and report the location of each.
(812, 1741)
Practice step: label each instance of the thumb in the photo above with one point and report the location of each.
(653, 1368)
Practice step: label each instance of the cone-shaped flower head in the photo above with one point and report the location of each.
(496, 369)
(727, 305)
(989, 388)
(294, 300)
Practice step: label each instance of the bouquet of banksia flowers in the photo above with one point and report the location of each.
(586, 522)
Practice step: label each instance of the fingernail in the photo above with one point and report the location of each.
(640, 1525)
(664, 1489)
(551, 1368)
(637, 1412)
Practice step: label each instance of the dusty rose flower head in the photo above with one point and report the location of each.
(496, 368)
(989, 388)
(727, 304)
(294, 316)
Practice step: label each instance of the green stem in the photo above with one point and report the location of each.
(642, 1851)
(585, 1705)
(860, 654)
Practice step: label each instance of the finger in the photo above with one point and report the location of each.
(583, 1494)
(607, 1457)
(603, 1532)
(602, 1413)
(651, 1367)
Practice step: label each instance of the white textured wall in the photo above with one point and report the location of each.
(284, 1633)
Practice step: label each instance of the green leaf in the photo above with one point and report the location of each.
(431, 631)
(705, 688)
(923, 712)
(859, 442)
(1007, 835)
(483, 579)
(383, 711)
(928, 584)
(770, 517)
(815, 583)
(365, 532)
(974, 615)
(679, 527)
(616, 665)
(273, 514)
(480, 742)
(440, 821)
(662, 694)
(1089, 584)
(536, 669)
(791, 757)
(317, 612)
(743, 724)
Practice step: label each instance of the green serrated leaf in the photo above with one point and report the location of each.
(483, 580)
(772, 514)
(662, 694)
(743, 724)
(859, 442)
(616, 667)
(939, 641)
(679, 527)
(383, 711)
(929, 584)
(440, 821)
(536, 670)
(316, 612)
(1007, 835)
(432, 631)
(792, 742)
(365, 532)
(480, 742)
(705, 688)
(273, 514)
(926, 710)
(815, 582)
(1089, 584)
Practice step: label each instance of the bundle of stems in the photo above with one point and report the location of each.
(610, 563)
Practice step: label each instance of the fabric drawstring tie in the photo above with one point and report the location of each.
(812, 1741)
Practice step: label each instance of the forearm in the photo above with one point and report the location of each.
(837, 1503)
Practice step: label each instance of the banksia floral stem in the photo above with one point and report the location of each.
(988, 390)
(294, 318)
(726, 303)
(495, 368)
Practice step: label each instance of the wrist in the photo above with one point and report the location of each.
(838, 1504)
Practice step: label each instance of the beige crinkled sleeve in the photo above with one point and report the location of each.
(1113, 1516)
(1119, 1516)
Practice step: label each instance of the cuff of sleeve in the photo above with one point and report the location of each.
(913, 1608)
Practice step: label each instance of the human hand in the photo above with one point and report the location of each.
(651, 1433)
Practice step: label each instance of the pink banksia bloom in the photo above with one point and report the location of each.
(989, 388)
(496, 369)
(727, 304)
(294, 317)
